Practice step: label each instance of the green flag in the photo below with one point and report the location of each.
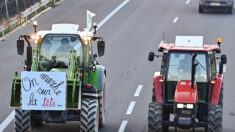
(89, 20)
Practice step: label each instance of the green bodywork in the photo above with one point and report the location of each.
(77, 76)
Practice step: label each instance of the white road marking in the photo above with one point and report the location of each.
(130, 108)
(111, 14)
(7, 121)
(187, 2)
(10, 117)
(138, 90)
(176, 19)
(123, 126)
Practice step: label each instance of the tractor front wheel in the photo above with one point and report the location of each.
(23, 121)
(155, 118)
(89, 120)
(215, 114)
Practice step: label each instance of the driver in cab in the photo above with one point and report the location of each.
(185, 67)
(64, 50)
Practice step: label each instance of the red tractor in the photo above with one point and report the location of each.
(188, 86)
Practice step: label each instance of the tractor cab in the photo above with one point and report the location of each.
(187, 82)
(55, 50)
(179, 68)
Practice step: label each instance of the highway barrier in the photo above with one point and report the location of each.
(24, 16)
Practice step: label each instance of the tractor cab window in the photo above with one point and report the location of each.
(180, 66)
(55, 49)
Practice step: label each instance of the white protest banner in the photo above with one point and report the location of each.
(89, 19)
(43, 90)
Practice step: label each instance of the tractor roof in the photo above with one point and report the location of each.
(64, 29)
(188, 43)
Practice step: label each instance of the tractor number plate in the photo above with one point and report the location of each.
(186, 112)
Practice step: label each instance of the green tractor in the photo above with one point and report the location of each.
(62, 80)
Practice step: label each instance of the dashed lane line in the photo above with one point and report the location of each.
(176, 19)
(123, 126)
(111, 14)
(187, 2)
(138, 90)
(7, 121)
(130, 108)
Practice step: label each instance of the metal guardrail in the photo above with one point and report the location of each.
(23, 16)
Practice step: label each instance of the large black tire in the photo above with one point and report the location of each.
(155, 118)
(102, 105)
(215, 117)
(200, 10)
(89, 120)
(23, 121)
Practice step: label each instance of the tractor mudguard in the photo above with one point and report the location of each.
(97, 77)
(158, 87)
(217, 89)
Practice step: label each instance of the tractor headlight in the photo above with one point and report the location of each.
(180, 106)
(189, 106)
(87, 38)
(35, 38)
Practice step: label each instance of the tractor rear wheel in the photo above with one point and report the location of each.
(102, 106)
(89, 120)
(23, 121)
(215, 117)
(155, 118)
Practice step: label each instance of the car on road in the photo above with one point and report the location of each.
(216, 4)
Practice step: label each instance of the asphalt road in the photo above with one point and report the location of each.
(130, 34)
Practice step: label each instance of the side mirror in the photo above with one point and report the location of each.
(101, 47)
(94, 56)
(20, 47)
(151, 56)
(223, 59)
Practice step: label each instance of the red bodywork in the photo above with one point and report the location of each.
(217, 89)
(158, 87)
(184, 93)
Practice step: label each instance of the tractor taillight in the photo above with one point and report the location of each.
(161, 80)
(212, 81)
